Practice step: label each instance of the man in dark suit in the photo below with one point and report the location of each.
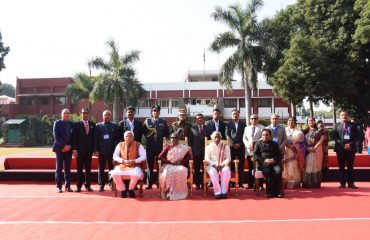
(216, 124)
(62, 131)
(197, 134)
(106, 139)
(154, 130)
(83, 148)
(345, 135)
(131, 124)
(235, 131)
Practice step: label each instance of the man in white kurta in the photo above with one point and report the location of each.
(217, 156)
(129, 161)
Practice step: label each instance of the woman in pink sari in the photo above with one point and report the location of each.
(173, 173)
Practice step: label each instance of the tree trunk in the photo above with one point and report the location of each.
(311, 108)
(334, 115)
(90, 111)
(248, 103)
(293, 108)
(115, 108)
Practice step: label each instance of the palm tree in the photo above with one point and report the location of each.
(117, 83)
(81, 89)
(244, 35)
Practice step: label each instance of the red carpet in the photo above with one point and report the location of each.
(34, 211)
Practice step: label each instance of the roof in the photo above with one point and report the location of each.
(14, 121)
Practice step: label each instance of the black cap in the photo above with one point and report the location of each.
(156, 107)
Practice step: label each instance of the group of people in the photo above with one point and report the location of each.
(287, 157)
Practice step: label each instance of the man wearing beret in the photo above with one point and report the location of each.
(154, 130)
(181, 126)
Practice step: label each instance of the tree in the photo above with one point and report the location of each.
(7, 89)
(4, 50)
(244, 35)
(117, 83)
(81, 89)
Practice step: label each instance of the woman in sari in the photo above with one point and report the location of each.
(312, 174)
(173, 173)
(293, 161)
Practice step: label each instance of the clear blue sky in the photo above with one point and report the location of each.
(56, 38)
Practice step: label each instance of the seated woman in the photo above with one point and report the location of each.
(129, 154)
(293, 161)
(312, 174)
(217, 156)
(173, 173)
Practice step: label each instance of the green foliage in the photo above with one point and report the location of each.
(7, 89)
(4, 50)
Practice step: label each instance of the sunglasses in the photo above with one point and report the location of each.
(254, 118)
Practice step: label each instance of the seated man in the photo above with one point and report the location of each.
(174, 172)
(217, 156)
(129, 154)
(268, 155)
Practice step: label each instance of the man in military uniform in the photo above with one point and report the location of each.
(181, 124)
(154, 130)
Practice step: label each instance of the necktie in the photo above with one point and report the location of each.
(86, 127)
(201, 131)
(253, 131)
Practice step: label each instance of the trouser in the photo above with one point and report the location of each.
(238, 154)
(151, 157)
(273, 175)
(198, 164)
(83, 159)
(346, 158)
(224, 174)
(103, 159)
(118, 180)
(359, 146)
(63, 159)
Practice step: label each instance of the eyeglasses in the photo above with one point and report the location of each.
(254, 118)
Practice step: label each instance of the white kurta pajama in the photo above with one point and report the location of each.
(212, 155)
(134, 174)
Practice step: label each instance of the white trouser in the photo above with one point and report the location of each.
(118, 180)
(225, 175)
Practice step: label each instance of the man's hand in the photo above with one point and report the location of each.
(67, 148)
(75, 153)
(236, 146)
(96, 154)
(347, 147)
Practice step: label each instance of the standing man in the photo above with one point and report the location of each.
(235, 131)
(83, 148)
(181, 124)
(345, 135)
(197, 135)
(269, 156)
(278, 132)
(216, 124)
(252, 134)
(154, 130)
(106, 139)
(131, 124)
(62, 131)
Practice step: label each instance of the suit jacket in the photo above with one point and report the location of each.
(154, 133)
(221, 127)
(106, 138)
(235, 135)
(280, 134)
(249, 139)
(82, 142)
(125, 126)
(264, 150)
(196, 141)
(338, 136)
(62, 131)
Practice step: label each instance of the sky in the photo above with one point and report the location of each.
(57, 38)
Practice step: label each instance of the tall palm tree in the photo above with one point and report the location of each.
(81, 89)
(117, 82)
(244, 35)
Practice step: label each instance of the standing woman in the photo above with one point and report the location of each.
(312, 174)
(294, 157)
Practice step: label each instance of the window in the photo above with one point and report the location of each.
(60, 100)
(27, 101)
(43, 101)
(241, 102)
(230, 103)
(144, 103)
(175, 103)
(264, 102)
(164, 103)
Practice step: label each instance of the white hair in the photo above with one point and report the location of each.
(128, 132)
(214, 135)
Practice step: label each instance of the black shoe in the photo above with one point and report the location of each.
(250, 187)
(197, 187)
(131, 193)
(353, 186)
(342, 185)
(124, 194)
(101, 188)
(149, 187)
(89, 189)
(59, 190)
(69, 189)
(224, 196)
(262, 189)
(218, 196)
(270, 195)
(78, 189)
